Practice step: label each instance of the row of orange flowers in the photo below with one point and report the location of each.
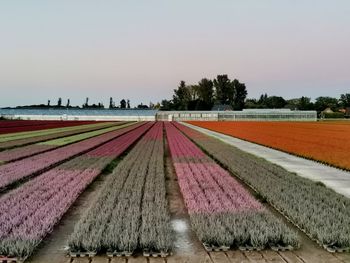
(326, 142)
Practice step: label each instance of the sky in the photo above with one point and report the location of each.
(140, 50)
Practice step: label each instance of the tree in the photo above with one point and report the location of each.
(128, 104)
(122, 104)
(322, 103)
(206, 93)
(167, 105)
(48, 103)
(151, 105)
(270, 102)
(193, 92)
(305, 104)
(68, 103)
(262, 102)
(239, 94)
(302, 103)
(59, 102)
(345, 100)
(111, 103)
(275, 102)
(251, 104)
(157, 106)
(181, 96)
(223, 89)
(86, 104)
(141, 106)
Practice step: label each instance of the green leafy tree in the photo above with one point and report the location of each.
(223, 89)
(111, 103)
(322, 103)
(123, 104)
(275, 102)
(181, 97)
(193, 92)
(86, 104)
(206, 93)
(345, 100)
(305, 104)
(167, 105)
(262, 102)
(239, 95)
(251, 104)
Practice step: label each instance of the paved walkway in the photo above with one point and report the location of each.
(334, 178)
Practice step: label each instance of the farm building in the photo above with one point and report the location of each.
(245, 115)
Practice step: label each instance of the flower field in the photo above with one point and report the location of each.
(26, 151)
(230, 198)
(19, 139)
(29, 213)
(324, 142)
(222, 212)
(320, 212)
(16, 171)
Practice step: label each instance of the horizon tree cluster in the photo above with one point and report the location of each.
(207, 93)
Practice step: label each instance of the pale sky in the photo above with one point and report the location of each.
(142, 49)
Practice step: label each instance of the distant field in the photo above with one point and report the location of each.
(326, 142)
(15, 126)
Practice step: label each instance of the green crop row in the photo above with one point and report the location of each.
(82, 136)
(24, 135)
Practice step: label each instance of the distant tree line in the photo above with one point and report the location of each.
(123, 104)
(206, 94)
(221, 91)
(303, 103)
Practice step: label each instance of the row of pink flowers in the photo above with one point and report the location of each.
(32, 209)
(156, 133)
(13, 172)
(177, 142)
(118, 147)
(206, 187)
(22, 152)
